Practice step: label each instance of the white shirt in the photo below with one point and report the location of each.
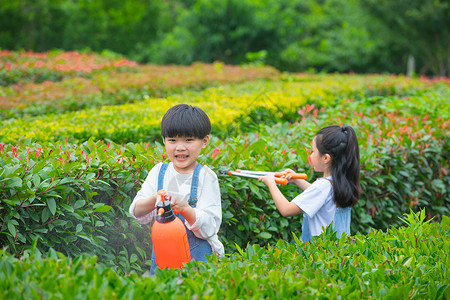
(317, 202)
(208, 211)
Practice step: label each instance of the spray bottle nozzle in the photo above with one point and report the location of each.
(165, 213)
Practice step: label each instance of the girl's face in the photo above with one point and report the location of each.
(183, 152)
(320, 163)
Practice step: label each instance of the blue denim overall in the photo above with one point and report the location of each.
(199, 247)
(341, 223)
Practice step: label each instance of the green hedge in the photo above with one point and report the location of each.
(408, 262)
(74, 198)
(232, 108)
(398, 172)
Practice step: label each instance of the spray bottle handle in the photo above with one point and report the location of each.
(161, 197)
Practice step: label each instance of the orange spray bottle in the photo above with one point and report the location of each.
(170, 241)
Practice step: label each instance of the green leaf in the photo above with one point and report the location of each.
(227, 215)
(14, 182)
(90, 176)
(12, 228)
(51, 204)
(79, 204)
(133, 258)
(36, 180)
(10, 202)
(265, 235)
(45, 214)
(21, 237)
(67, 207)
(103, 208)
(59, 222)
(38, 167)
(438, 184)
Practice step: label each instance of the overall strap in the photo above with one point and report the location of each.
(162, 171)
(342, 220)
(194, 186)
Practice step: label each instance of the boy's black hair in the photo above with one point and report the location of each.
(185, 121)
(342, 145)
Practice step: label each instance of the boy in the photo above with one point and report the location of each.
(194, 188)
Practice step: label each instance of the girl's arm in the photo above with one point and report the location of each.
(301, 183)
(284, 206)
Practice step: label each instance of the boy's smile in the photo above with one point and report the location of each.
(180, 157)
(183, 152)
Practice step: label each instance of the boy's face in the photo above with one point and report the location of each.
(183, 152)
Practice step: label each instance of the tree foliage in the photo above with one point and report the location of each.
(423, 28)
(42, 25)
(293, 35)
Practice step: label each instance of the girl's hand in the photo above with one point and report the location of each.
(268, 180)
(301, 183)
(177, 204)
(288, 175)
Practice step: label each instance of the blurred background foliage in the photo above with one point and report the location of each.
(363, 36)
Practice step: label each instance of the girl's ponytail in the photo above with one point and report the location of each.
(342, 145)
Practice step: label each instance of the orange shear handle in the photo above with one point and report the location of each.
(282, 181)
(293, 175)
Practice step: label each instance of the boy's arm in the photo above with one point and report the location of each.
(145, 206)
(208, 212)
(144, 201)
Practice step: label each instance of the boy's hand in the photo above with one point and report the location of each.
(180, 206)
(177, 204)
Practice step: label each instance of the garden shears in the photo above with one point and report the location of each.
(259, 174)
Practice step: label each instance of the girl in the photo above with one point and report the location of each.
(330, 198)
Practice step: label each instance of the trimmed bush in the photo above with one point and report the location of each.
(406, 262)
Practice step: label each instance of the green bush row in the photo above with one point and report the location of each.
(74, 199)
(408, 262)
(60, 194)
(398, 171)
(113, 86)
(232, 108)
(20, 67)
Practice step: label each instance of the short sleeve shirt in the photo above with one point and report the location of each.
(317, 202)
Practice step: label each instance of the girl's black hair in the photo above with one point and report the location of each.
(185, 121)
(342, 145)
